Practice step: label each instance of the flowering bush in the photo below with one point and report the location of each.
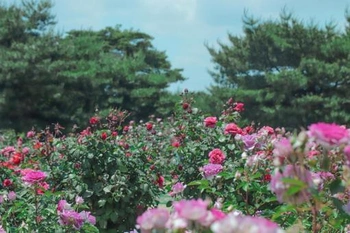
(190, 172)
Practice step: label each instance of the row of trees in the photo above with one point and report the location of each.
(288, 73)
(46, 77)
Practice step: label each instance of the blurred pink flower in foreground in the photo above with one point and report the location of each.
(328, 134)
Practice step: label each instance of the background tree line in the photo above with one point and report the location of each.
(287, 73)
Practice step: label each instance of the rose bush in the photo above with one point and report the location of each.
(207, 173)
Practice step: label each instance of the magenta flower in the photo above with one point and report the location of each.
(153, 219)
(2, 229)
(33, 177)
(210, 170)
(210, 122)
(191, 209)
(216, 156)
(71, 218)
(328, 135)
(279, 187)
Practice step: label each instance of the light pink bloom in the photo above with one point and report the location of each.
(279, 187)
(86, 215)
(177, 188)
(63, 205)
(328, 134)
(216, 156)
(25, 150)
(283, 148)
(153, 219)
(8, 150)
(11, 196)
(79, 200)
(243, 224)
(30, 134)
(210, 122)
(2, 229)
(191, 209)
(33, 177)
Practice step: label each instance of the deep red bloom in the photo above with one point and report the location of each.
(94, 120)
(267, 178)
(185, 106)
(149, 126)
(160, 181)
(104, 136)
(115, 133)
(7, 183)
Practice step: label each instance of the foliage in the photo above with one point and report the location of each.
(41, 71)
(288, 73)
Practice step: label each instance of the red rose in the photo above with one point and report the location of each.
(6, 183)
(185, 106)
(149, 126)
(94, 120)
(104, 136)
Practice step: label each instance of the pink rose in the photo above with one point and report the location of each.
(210, 122)
(191, 209)
(216, 156)
(33, 177)
(328, 135)
(232, 129)
(153, 219)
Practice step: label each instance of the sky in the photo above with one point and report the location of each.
(181, 28)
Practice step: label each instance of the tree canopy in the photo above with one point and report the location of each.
(288, 73)
(47, 77)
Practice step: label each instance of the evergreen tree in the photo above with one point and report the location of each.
(46, 77)
(288, 73)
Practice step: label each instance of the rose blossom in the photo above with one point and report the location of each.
(283, 148)
(191, 209)
(210, 170)
(232, 129)
(33, 177)
(216, 156)
(153, 219)
(240, 224)
(210, 122)
(63, 205)
(11, 196)
(249, 141)
(280, 188)
(177, 188)
(71, 218)
(328, 134)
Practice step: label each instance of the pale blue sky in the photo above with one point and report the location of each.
(181, 27)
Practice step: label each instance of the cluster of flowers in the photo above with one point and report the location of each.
(195, 215)
(69, 217)
(322, 139)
